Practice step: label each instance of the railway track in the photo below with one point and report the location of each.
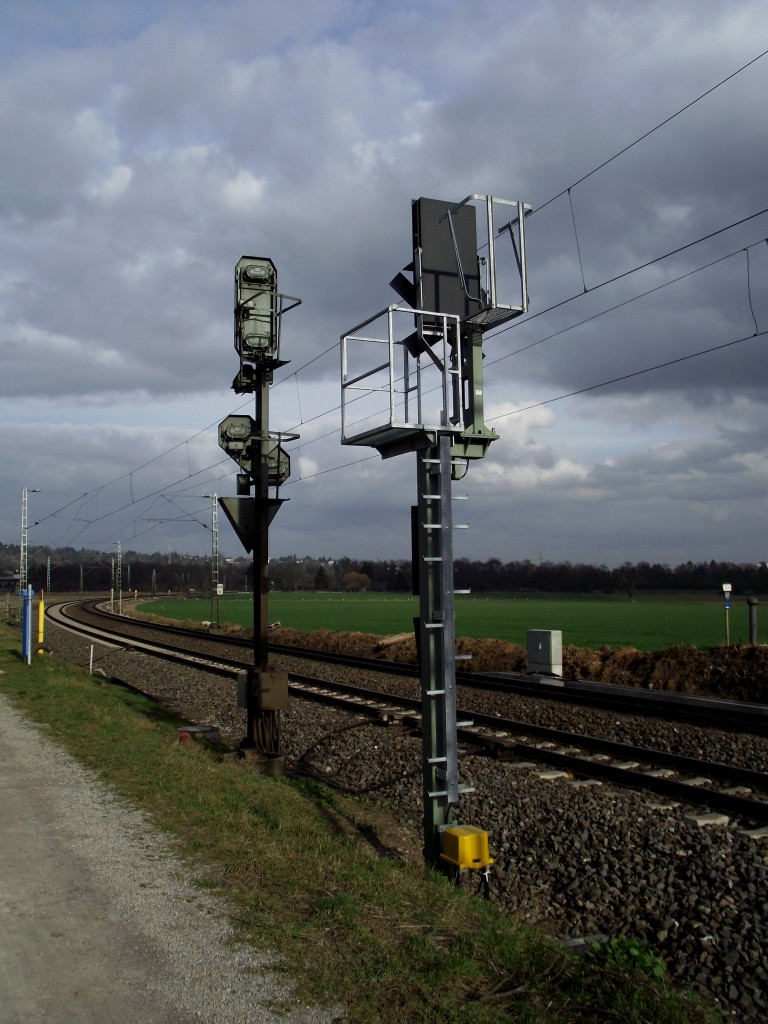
(572, 856)
(737, 792)
(734, 716)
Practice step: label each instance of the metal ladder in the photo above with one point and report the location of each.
(436, 639)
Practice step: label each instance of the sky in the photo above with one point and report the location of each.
(147, 147)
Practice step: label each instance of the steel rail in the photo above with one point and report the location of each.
(493, 736)
(735, 716)
(496, 736)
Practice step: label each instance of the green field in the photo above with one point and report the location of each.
(648, 622)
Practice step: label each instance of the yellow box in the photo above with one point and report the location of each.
(465, 846)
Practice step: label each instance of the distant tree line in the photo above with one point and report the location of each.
(71, 570)
(566, 577)
(495, 576)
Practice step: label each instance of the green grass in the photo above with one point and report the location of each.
(648, 622)
(390, 942)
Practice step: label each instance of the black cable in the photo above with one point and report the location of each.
(619, 305)
(576, 235)
(628, 376)
(634, 270)
(749, 294)
(596, 287)
(549, 309)
(661, 124)
(333, 469)
(563, 302)
(588, 175)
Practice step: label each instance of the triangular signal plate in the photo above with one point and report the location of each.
(242, 514)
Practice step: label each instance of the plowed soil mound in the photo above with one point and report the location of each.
(732, 673)
(735, 673)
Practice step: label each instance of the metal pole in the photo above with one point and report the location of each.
(261, 491)
(215, 559)
(436, 631)
(24, 546)
(119, 579)
(27, 625)
(752, 604)
(263, 726)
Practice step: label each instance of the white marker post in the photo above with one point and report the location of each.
(727, 598)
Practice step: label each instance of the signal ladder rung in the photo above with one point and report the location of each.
(437, 760)
(462, 591)
(434, 625)
(435, 693)
(432, 558)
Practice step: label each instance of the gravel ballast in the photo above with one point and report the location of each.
(579, 860)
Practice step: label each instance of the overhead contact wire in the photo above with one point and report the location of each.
(628, 376)
(661, 124)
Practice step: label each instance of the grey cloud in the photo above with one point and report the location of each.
(151, 150)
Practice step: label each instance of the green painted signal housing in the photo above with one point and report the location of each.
(235, 435)
(256, 309)
(278, 464)
(239, 439)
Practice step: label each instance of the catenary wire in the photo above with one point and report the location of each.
(641, 138)
(496, 334)
(333, 469)
(579, 391)
(628, 376)
(627, 273)
(549, 337)
(129, 474)
(589, 174)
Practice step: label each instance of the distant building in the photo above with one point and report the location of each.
(9, 581)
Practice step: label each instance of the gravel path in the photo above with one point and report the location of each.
(576, 859)
(99, 923)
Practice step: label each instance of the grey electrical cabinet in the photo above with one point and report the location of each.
(545, 651)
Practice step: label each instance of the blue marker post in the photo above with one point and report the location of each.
(26, 625)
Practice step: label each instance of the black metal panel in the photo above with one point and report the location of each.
(438, 278)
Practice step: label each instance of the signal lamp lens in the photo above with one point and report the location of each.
(257, 342)
(256, 273)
